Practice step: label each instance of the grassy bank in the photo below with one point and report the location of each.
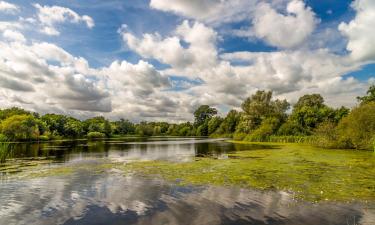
(309, 173)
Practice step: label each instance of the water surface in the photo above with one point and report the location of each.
(86, 196)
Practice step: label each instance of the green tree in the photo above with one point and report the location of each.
(310, 111)
(358, 128)
(73, 128)
(370, 97)
(107, 129)
(230, 122)
(20, 127)
(258, 107)
(124, 127)
(5, 113)
(203, 113)
(213, 124)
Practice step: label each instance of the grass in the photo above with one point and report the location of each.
(5, 149)
(309, 173)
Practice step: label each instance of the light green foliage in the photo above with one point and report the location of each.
(358, 128)
(5, 113)
(203, 113)
(95, 135)
(20, 127)
(73, 128)
(144, 129)
(259, 107)
(309, 173)
(268, 127)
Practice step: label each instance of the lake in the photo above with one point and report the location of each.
(74, 182)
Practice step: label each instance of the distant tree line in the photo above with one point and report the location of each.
(262, 118)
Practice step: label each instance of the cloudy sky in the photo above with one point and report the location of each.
(161, 59)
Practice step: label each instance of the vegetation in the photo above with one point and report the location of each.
(262, 118)
(307, 172)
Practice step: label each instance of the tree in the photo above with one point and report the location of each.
(203, 113)
(229, 123)
(358, 128)
(370, 97)
(12, 111)
(124, 127)
(107, 129)
(260, 106)
(55, 123)
(213, 124)
(73, 128)
(310, 111)
(20, 127)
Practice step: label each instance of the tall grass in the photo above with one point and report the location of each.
(5, 148)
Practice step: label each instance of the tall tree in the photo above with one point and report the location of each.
(203, 113)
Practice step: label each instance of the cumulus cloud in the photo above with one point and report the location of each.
(211, 11)
(49, 16)
(360, 31)
(200, 52)
(284, 31)
(14, 36)
(8, 7)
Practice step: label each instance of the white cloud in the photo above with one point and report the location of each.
(8, 7)
(200, 52)
(360, 31)
(49, 16)
(14, 36)
(284, 31)
(211, 11)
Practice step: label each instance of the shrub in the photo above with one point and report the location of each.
(95, 135)
(20, 127)
(358, 128)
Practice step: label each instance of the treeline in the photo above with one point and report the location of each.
(261, 119)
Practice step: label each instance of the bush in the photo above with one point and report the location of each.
(238, 136)
(44, 138)
(358, 128)
(95, 135)
(326, 135)
(264, 131)
(20, 127)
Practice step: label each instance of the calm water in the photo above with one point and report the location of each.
(88, 197)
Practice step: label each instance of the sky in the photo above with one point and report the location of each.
(158, 60)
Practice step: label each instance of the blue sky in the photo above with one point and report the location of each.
(165, 58)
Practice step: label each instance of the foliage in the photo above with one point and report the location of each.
(258, 107)
(20, 127)
(213, 124)
(203, 113)
(124, 127)
(5, 113)
(95, 135)
(358, 128)
(370, 97)
(310, 173)
(229, 124)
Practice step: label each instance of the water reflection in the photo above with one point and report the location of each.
(88, 197)
(110, 198)
(173, 149)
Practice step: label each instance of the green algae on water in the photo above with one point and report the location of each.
(310, 173)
